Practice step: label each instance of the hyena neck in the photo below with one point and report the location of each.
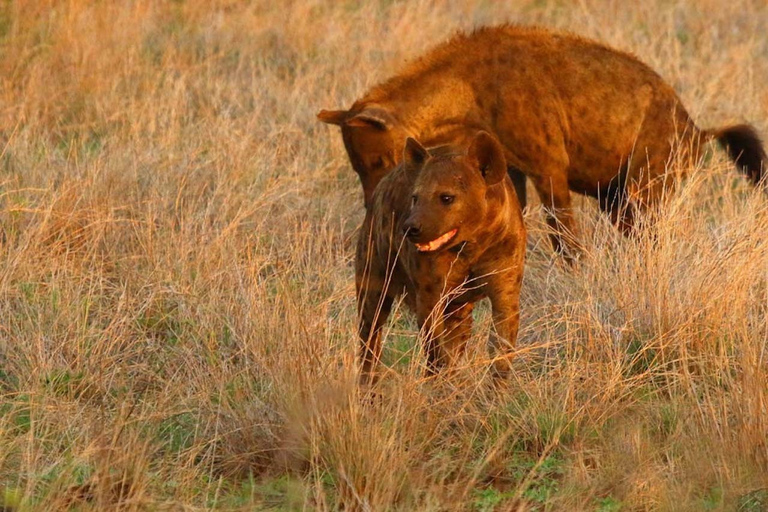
(456, 132)
(499, 218)
(426, 106)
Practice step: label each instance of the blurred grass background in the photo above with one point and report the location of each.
(177, 310)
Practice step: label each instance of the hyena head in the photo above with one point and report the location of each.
(448, 202)
(373, 138)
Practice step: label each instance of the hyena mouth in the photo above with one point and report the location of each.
(437, 242)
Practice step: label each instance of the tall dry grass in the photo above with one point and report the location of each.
(177, 318)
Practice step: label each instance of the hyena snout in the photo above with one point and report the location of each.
(412, 228)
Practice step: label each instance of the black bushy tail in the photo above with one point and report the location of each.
(745, 149)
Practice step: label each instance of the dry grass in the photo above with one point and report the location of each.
(176, 294)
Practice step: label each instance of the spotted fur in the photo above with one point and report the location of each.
(572, 115)
(483, 259)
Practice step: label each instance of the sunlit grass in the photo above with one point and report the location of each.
(177, 315)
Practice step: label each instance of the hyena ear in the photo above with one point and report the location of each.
(372, 117)
(337, 117)
(487, 155)
(414, 154)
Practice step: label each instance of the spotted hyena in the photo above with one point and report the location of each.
(445, 226)
(571, 114)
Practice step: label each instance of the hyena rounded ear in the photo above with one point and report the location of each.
(487, 154)
(372, 117)
(337, 117)
(414, 154)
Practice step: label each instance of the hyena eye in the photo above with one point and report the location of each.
(447, 199)
(414, 198)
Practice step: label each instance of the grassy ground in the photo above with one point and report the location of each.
(177, 318)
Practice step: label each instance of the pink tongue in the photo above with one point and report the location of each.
(437, 242)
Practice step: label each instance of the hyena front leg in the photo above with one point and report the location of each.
(374, 306)
(430, 327)
(504, 292)
(374, 303)
(445, 330)
(457, 328)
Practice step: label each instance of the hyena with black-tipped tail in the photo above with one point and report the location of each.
(570, 113)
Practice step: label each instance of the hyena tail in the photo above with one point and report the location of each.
(745, 148)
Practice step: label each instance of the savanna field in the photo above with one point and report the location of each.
(177, 302)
